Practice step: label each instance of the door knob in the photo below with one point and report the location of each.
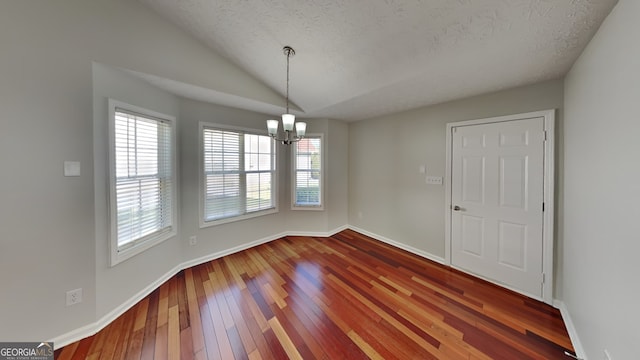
(457, 208)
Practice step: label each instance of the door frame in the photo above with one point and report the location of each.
(548, 195)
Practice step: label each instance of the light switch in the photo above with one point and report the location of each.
(422, 169)
(72, 168)
(434, 180)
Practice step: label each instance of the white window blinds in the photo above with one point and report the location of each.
(143, 177)
(239, 173)
(307, 178)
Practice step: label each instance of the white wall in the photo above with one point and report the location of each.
(215, 239)
(387, 194)
(218, 239)
(126, 277)
(337, 174)
(602, 177)
(52, 228)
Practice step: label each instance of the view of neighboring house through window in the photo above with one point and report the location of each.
(142, 179)
(238, 174)
(307, 178)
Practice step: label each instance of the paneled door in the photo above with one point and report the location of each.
(497, 194)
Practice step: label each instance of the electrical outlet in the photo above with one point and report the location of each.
(74, 297)
(193, 240)
(606, 355)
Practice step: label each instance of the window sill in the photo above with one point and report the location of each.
(209, 223)
(118, 256)
(308, 207)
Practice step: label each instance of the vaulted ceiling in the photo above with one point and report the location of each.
(357, 59)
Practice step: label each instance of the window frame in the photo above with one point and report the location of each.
(202, 182)
(117, 254)
(309, 207)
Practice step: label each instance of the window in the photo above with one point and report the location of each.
(238, 180)
(142, 179)
(307, 177)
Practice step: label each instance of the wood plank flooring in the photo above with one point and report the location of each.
(343, 297)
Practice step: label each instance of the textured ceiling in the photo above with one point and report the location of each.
(357, 59)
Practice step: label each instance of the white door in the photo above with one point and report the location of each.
(497, 193)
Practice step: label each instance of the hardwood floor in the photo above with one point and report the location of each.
(342, 297)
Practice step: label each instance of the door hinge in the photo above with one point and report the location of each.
(544, 135)
(542, 206)
(544, 278)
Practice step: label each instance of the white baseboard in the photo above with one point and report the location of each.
(93, 328)
(571, 329)
(318, 233)
(560, 305)
(122, 308)
(233, 250)
(338, 229)
(411, 249)
(73, 336)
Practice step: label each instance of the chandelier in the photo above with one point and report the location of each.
(288, 120)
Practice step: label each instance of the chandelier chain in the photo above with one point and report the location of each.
(287, 83)
(288, 120)
(287, 97)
